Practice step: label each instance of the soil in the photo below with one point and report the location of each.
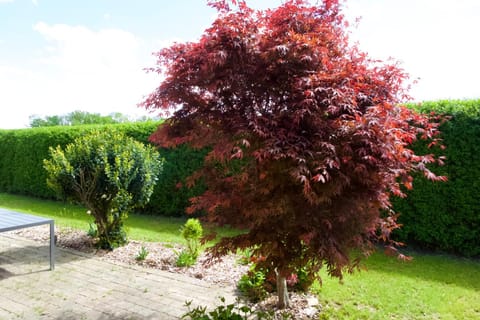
(162, 256)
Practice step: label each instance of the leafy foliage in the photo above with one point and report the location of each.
(171, 194)
(307, 140)
(77, 118)
(224, 312)
(259, 281)
(107, 172)
(461, 108)
(252, 285)
(92, 231)
(185, 259)
(447, 216)
(246, 256)
(191, 231)
(142, 254)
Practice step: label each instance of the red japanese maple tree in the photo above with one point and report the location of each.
(308, 141)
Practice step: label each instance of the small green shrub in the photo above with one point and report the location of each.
(261, 280)
(92, 231)
(191, 231)
(142, 254)
(245, 256)
(110, 174)
(252, 285)
(300, 281)
(228, 312)
(185, 259)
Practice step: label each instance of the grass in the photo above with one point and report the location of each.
(138, 227)
(429, 287)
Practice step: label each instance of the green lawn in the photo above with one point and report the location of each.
(139, 227)
(429, 287)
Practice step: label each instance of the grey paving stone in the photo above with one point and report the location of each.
(85, 287)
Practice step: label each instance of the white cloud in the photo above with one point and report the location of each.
(35, 2)
(81, 50)
(434, 40)
(19, 89)
(78, 69)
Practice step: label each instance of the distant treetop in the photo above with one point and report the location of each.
(77, 117)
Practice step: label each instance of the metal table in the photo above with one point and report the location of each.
(11, 220)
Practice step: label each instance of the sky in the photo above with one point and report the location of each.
(59, 56)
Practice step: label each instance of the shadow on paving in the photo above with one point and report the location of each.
(116, 316)
(4, 274)
(29, 259)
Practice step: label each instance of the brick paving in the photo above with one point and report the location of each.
(85, 287)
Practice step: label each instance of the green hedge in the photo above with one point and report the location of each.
(22, 152)
(443, 216)
(446, 216)
(171, 198)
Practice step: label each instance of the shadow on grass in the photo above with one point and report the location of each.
(446, 269)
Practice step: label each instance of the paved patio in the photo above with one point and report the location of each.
(85, 287)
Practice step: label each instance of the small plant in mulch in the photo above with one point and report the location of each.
(260, 280)
(92, 231)
(142, 254)
(234, 311)
(191, 231)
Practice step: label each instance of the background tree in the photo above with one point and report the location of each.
(49, 121)
(307, 140)
(78, 117)
(110, 174)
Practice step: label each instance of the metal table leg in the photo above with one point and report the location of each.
(52, 245)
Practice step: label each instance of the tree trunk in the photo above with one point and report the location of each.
(282, 291)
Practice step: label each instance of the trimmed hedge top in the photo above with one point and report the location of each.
(469, 108)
